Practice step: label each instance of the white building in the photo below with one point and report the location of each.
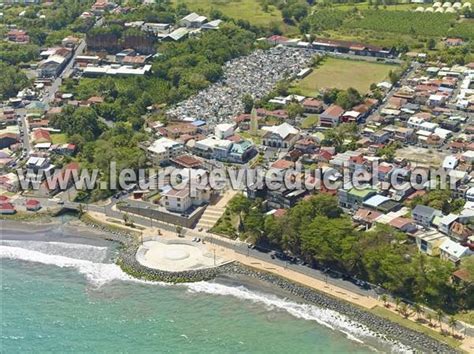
(453, 251)
(224, 130)
(280, 136)
(193, 20)
(164, 149)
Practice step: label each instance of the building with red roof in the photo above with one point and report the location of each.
(7, 208)
(33, 205)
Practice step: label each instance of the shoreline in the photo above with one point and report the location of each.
(384, 328)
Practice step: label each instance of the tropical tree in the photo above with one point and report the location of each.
(429, 317)
(80, 210)
(418, 310)
(404, 310)
(179, 231)
(439, 316)
(452, 324)
(397, 303)
(384, 299)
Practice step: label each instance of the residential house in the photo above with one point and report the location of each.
(459, 231)
(446, 222)
(18, 36)
(453, 251)
(41, 136)
(429, 242)
(306, 145)
(7, 209)
(284, 198)
(354, 198)
(424, 215)
(312, 105)
(331, 116)
(366, 217)
(164, 149)
(33, 205)
(8, 139)
(403, 224)
(9, 182)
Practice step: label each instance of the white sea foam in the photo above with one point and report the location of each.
(329, 318)
(97, 274)
(66, 249)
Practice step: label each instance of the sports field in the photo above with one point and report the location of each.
(342, 74)
(250, 10)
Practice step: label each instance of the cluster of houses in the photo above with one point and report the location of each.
(9, 207)
(176, 140)
(190, 25)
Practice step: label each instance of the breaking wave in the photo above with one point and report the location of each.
(98, 274)
(326, 317)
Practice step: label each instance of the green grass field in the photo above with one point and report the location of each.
(59, 138)
(383, 312)
(342, 74)
(250, 10)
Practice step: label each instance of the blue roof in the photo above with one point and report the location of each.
(198, 123)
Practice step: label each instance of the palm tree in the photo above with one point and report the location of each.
(439, 316)
(404, 310)
(397, 303)
(80, 210)
(384, 299)
(452, 324)
(429, 317)
(179, 230)
(418, 310)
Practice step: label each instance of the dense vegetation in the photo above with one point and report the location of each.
(11, 80)
(317, 230)
(14, 54)
(59, 16)
(382, 21)
(407, 22)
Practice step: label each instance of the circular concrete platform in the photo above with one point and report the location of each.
(175, 255)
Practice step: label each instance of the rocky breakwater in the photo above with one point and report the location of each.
(384, 328)
(129, 264)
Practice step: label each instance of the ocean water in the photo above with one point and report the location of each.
(62, 296)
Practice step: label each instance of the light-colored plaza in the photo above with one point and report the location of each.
(175, 255)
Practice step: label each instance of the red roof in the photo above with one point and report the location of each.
(7, 206)
(312, 102)
(283, 164)
(3, 198)
(399, 222)
(32, 203)
(41, 134)
(334, 111)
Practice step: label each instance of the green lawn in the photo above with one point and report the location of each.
(342, 74)
(309, 121)
(250, 10)
(382, 312)
(59, 138)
